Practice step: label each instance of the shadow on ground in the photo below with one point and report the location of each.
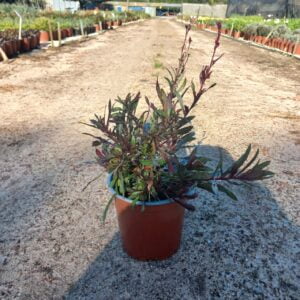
(247, 249)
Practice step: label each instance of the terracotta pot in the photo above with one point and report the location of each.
(297, 49)
(44, 36)
(97, 27)
(1, 47)
(115, 23)
(152, 234)
(63, 34)
(284, 45)
(274, 41)
(291, 47)
(14, 47)
(246, 37)
(119, 22)
(38, 36)
(236, 34)
(25, 44)
(55, 35)
(252, 38)
(104, 25)
(264, 40)
(33, 42)
(258, 39)
(69, 32)
(8, 49)
(242, 34)
(19, 46)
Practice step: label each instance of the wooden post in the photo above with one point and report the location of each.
(20, 24)
(3, 54)
(231, 29)
(50, 33)
(81, 28)
(59, 34)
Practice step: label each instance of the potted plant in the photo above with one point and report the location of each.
(151, 183)
(263, 31)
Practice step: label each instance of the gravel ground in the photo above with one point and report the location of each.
(52, 244)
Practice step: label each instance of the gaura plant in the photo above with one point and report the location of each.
(140, 149)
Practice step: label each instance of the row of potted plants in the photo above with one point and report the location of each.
(279, 36)
(12, 45)
(76, 30)
(37, 25)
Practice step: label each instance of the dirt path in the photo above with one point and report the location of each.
(52, 244)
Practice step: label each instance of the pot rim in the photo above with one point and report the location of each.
(146, 203)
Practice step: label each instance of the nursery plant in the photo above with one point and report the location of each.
(151, 177)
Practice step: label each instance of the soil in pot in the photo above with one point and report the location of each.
(152, 234)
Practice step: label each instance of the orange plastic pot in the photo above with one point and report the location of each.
(297, 49)
(236, 34)
(264, 40)
(150, 234)
(258, 39)
(44, 36)
(291, 47)
(97, 27)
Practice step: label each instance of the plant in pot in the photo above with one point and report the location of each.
(250, 32)
(296, 34)
(263, 31)
(151, 180)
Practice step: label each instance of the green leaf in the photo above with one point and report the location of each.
(205, 186)
(185, 130)
(107, 207)
(184, 121)
(237, 164)
(147, 162)
(227, 192)
(180, 100)
(185, 139)
(250, 162)
(121, 185)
